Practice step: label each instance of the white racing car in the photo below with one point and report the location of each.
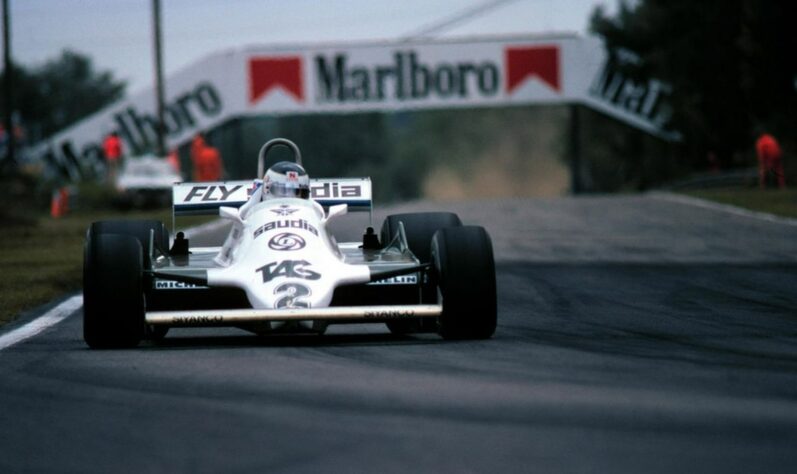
(145, 182)
(281, 270)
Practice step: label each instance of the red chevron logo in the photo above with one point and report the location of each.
(532, 61)
(266, 74)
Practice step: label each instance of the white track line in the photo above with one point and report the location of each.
(60, 312)
(727, 208)
(50, 318)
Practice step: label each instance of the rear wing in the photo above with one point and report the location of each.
(207, 198)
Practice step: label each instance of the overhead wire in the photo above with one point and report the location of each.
(429, 30)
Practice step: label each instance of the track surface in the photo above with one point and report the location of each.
(635, 335)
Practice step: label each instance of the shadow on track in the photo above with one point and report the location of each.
(189, 342)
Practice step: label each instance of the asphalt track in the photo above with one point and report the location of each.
(636, 334)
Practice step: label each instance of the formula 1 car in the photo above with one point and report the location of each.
(281, 270)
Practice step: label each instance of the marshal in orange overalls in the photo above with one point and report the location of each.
(770, 160)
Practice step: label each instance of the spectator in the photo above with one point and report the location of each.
(770, 161)
(713, 162)
(112, 147)
(208, 165)
(197, 144)
(174, 160)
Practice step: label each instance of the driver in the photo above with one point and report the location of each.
(286, 179)
(283, 180)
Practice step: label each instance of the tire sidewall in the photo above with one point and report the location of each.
(464, 274)
(419, 227)
(113, 291)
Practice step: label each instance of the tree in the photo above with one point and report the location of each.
(61, 92)
(730, 63)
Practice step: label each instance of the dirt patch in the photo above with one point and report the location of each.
(527, 162)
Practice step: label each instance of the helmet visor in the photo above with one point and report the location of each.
(289, 190)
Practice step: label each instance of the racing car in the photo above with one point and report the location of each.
(281, 269)
(145, 182)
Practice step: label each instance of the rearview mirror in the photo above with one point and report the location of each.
(231, 213)
(337, 210)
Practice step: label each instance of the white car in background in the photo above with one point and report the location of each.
(146, 181)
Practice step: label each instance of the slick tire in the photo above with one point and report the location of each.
(419, 228)
(113, 293)
(464, 270)
(140, 229)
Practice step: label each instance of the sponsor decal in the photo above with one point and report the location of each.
(294, 294)
(266, 74)
(284, 210)
(286, 224)
(286, 242)
(198, 319)
(645, 99)
(210, 193)
(335, 190)
(139, 130)
(288, 269)
(406, 76)
(174, 285)
(392, 314)
(398, 280)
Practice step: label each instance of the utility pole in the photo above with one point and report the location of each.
(576, 177)
(156, 32)
(8, 87)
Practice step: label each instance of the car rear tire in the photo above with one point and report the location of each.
(464, 271)
(113, 293)
(140, 229)
(419, 228)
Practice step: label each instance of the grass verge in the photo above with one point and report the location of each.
(780, 202)
(41, 258)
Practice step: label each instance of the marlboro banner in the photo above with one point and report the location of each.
(349, 78)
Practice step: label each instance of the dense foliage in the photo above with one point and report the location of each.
(60, 92)
(731, 64)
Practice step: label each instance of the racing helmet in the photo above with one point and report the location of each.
(286, 179)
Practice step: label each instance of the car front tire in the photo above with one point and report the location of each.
(419, 228)
(113, 295)
(464, 270)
